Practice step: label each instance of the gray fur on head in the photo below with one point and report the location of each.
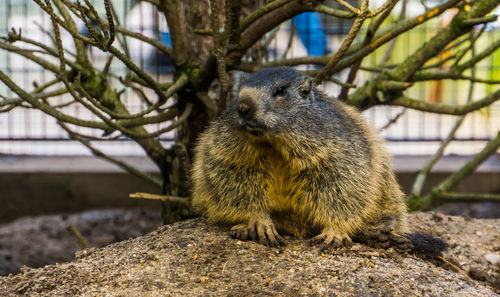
(272, 100)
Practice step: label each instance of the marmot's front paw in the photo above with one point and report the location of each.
(330, 237)
(260, 229)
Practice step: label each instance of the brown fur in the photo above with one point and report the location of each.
(296, 163)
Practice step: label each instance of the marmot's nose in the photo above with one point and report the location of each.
(243, 109)
(246, 108)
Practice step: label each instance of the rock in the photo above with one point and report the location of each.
(492, 258)
(193, 258)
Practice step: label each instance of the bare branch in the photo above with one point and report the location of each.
(446, 109)
(448, 74)
(364, 97)
(389, 4)
(397, 29)
(483, 54)
(445, 186)
(219, 52)
(328, 69)
(388, 51)
(393, 120)
(172, 199)
(254, 16)
(46, 49)
(430, 48)
(424, 171)
(111, 23)
(266, 23)
(81, 52)
(176, 86)
(128, 168)
(58, 92)
(157, 44)
(82, 242)
(350, 7)
(55, 26)
(28, 55)
(334, 12)
(370, 33)
(233, 11)
(480, 20)
(357, 52)
(172, 9)
(470, 197)
(47, 108)
(290, 42)
(180, 120)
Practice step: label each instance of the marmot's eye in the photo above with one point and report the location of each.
(279, 91)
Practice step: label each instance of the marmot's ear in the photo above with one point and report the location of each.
(306, 87)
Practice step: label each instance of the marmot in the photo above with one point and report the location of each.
(283, 158)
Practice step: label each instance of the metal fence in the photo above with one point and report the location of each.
(29, 131)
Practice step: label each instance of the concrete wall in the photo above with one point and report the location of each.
(47, 185)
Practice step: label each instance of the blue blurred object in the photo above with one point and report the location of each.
(311, 33)
(165, 38)
(160, 61)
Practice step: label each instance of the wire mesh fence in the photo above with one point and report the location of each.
(30, 131)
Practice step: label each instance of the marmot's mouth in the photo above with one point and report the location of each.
(254, 131)
(252, 127)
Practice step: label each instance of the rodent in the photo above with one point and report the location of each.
(284, 158)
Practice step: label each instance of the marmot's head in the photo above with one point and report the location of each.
(271, 100)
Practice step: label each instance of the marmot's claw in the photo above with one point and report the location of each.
(269, 236)
(399, 239)
(331, 239)
(239, 231)
(262, 231)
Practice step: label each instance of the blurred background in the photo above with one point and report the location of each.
(42, 171)
(25, 131)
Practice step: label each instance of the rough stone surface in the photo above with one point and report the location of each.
(192, 258)
(38, 241)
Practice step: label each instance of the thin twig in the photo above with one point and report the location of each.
(457, 269)
(58, 92)
(421, 177)
(393, 120)
(382, 8)
(111, 23)
(444, 108)
(47, 108)
(468, 197)
(290, 42)
(422, 174)
(356, 52)
(334, 12)
(246, 22)
(173, 199)
(370, 33)
(350, 7)
(490, 148)
(128, 168)
(388, 51)
(157, 44)
(82, 242)
(329, 67)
